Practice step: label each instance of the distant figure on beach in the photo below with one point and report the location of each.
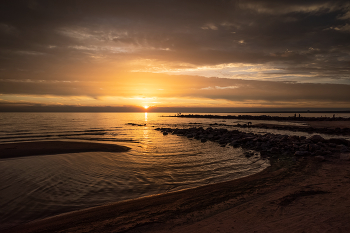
(295, 115)
(249, 123)
(299, 115)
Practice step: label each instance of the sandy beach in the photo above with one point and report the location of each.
(11, 150)
(302, 195)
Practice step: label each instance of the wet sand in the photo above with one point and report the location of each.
(303, 195)
(11, 150)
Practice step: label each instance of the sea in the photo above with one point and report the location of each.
(37, 187)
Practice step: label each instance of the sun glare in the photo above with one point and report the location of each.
(145, 107)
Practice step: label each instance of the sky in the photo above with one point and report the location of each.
(132, 54)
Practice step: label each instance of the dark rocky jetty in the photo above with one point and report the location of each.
(322, 130)
(269, 145)
(265, 117)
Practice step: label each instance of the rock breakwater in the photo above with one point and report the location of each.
(269, 145)
(264, 117)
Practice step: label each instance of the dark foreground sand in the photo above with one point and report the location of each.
(306, 195)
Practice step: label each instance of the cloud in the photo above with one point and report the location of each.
(194, 88)
(268, 7)
(210, 26)
(97, 44)
(236, 33)
(344, 28)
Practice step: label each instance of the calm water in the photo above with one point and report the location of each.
(41, 186)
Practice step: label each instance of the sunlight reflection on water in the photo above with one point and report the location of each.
(40, 186)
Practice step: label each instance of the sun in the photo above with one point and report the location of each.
(146, 107)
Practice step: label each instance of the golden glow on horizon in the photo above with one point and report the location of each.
(146, 107)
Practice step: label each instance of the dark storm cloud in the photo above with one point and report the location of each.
(88, 40)
(220, 31)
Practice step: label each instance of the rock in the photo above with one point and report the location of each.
(222, 142)
(264, 153)
(274, 150)
(301, 153)
(320, 158)
(320, 144)
(304, 147)
(342, 148)
(235, 131)
(317, 138)
(248, 154)
(234, 144)
(327, 153)
(345, 156)
(203, 140)
(313, 147)
(319, 153)
(293, 138)
(165, 133)
(338, 141)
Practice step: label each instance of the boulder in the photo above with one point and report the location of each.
(313, 147)
(316, 138)
(264, 153)
(274, 150)
(345, 156)
(301, 153)
(293, 138)
(320, 158)
(342, 148)
(338, 141)
(304, 147)
(248, 154)
(319, 153)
